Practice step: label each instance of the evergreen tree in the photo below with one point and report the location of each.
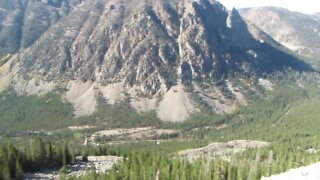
(19, 169)
(12, 154)
(66, 157)
(239, 173)
(112, 175)
(50, 156)
(1, 167)
(5, 170)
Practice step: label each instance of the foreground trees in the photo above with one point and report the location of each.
(34, 157)
(252, 164)
(144, 163)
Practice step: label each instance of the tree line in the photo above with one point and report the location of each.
(33, 157)
(159, 161)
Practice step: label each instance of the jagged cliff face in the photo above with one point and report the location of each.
(22, 22)
(157, 55)
(299, 32)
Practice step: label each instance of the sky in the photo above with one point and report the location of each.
(304, 6)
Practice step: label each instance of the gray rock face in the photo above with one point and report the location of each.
(10, 31)
(299, 32)
(149, 49)
(143, 41)
(22, 22)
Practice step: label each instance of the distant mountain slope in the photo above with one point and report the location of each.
(22, 22)
(167, 56)
(299, 32)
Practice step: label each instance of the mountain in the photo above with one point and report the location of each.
(22, 22)
(174, 57)
(298, 32)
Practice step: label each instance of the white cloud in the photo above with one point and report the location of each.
(305, 6)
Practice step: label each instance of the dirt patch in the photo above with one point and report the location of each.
(113, 92)
(176, 105)
(82, 96)
(235, 91)
(266, 84)
(154, 133)
(33, 87)
(5, 79)
(76, 128)
(7, 72)
(131, 135)
(101, 164)
(223, 150)
(120, 132)
(144, 104)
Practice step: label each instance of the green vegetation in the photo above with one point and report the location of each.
(287, 113)
(38, 154)
(147, 160)
(23, 113)
(252, 164)
(34, 157)
(120, 115)
(48, 112)
(287, 117)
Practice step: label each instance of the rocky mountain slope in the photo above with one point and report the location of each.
(169, 56)
(299, 32)
(22, 22)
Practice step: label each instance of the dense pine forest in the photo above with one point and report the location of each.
(146, 161)
(33, 157)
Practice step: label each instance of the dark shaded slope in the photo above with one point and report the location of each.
(298, 32)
